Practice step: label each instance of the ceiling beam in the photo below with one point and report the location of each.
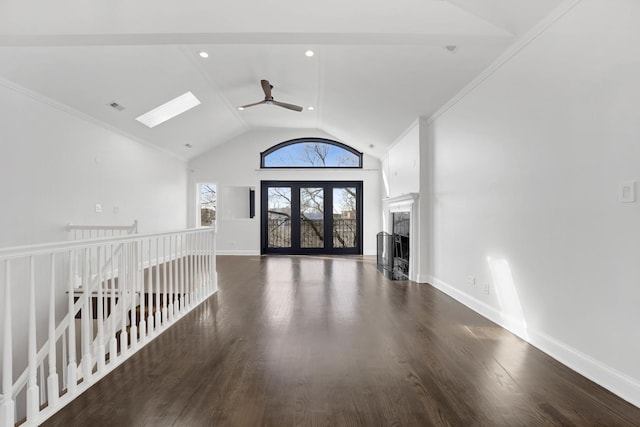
(357, 39)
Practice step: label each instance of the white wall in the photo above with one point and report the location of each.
(237, 163)
(55, 167)
(525, 180)
(402, 164)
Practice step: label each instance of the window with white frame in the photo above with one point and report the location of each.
(207, 202)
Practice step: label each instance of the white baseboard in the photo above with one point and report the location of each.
(237, 252)
(423, 278)
(613, 380)
(617, 382)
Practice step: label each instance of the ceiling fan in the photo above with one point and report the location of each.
(268, 99)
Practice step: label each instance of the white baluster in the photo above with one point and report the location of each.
(188, 280)
(52, 380)
(208, 265)
(7, 409)
(192, 259)
(196, 267)
(43, 391)
(88, 264)
(149, 290)
(189, 270)
(133, 288)
(150, 281)
(182, 274)
(214, 259)
(100, 314)
(205, 262)
(140, 279)
(113, 343)
(200, 264)
(64, 358)
(213, 269)
(178, 275)
(201, 237)
(197, 271)
(33, 397)
(164, 279)
(171, 281)
(156, 293)
(176, 282)
(122, 284)
(72, 368)
(85, 323)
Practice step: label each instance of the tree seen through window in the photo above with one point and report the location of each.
(311, 153)
(207, 204)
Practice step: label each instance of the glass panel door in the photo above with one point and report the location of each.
(279, 217)
(311, 217)
(345, 218)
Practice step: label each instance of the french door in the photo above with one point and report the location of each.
(311, 217)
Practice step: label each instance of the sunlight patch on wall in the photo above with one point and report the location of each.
(507, 294)
(385, 181)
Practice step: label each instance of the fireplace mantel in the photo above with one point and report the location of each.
(402, 203)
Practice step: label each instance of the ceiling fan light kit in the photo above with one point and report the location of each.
(268, 99)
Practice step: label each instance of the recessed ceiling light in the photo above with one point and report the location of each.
(169, 110)
(309, 53)
(310, 108)
(204, 54)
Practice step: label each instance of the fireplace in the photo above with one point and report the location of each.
(401, 220)
(400, 239)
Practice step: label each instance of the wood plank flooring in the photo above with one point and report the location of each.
(322, 341)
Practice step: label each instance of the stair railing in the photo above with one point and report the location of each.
(63, 337)
(87, 231)
(83, 232)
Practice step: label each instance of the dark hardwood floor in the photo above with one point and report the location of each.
(302, 341)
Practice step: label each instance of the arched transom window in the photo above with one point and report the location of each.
(311, 153)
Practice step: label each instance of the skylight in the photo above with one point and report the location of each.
(169, 110)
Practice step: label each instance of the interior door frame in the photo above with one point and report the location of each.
(295, 249)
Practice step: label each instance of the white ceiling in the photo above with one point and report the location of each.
(378, 64)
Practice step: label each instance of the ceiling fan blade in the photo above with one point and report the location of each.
(289, 106)
(251, 105)
(266, 87)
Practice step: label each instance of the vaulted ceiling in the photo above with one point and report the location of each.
(378, 64)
